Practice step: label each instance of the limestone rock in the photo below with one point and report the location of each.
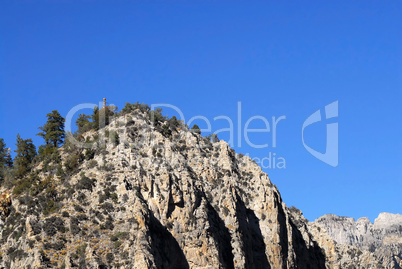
(165, 197)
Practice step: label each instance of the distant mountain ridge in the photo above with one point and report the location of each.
(383, 237)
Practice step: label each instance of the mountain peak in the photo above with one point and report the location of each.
(145, 191)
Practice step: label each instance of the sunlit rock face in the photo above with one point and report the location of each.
(157, 195)
(382, 239)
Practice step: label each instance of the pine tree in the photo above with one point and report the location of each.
(3, 153)
(9, 160)
(101, 117)
(5, 159)
(26, 152)
(83, 124)
(53, 131)
(95, 118)
(174, 123)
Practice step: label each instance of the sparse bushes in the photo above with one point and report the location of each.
(132, 107)
(44, 258)
(82, 198)
(92, 164)
(31, 243)
(58, 245)
(107, 167)
(74, 225)
(60, 171)
(18, 233)
(214, 138)
(22, 185)
(26, 200)
(65, 214)
(114, 197)
(82, 217)
(295, 210)
(80, 255)
(26, 183)
(81, 249)
(225, 211)
(72, 162)
(108, 207)
(85, 183)
(50, 207)
(109, 193)
(109, 258)
(117, 244)
(108, 225)
(114, 138)
(52, 225)
(166, 132)
(36, 227)
(16, 254)
(39, 186)
(157, 151)
(156, 118)
(118, 235)
(49, 154)
(79, 209)
(99, 215)
(174, 123)
(196, 129)
(89, 154)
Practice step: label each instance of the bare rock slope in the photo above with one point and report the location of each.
(160, 196)
(383, 238)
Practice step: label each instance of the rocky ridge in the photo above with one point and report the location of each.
(157, 195)
(383, 238)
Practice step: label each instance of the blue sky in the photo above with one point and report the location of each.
(287, 58)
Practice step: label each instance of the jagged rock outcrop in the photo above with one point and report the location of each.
(160, 196)
(381, 239)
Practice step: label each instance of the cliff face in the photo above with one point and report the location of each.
(382, 239)
(159, 196)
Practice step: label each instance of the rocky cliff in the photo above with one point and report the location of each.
(157, 195)
(382, 239)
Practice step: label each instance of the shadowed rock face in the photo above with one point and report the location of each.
(161, 199)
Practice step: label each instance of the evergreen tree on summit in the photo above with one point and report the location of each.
(196, 129)
(53, 131)
(26, 152)
(83, 124)
(5, 158)
(6, 161)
